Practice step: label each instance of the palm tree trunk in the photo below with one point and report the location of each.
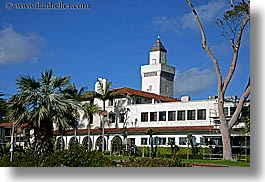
(152, 147)
(88, 134)
(103, 125)
(43, 138)
(62, 140)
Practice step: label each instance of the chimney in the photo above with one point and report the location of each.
(185, 98)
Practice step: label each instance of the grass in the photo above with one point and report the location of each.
(195, 161)
(218, 162)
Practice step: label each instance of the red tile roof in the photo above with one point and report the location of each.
(9, 124)
(139, 93)
(6, 124)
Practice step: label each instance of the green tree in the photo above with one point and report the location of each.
(174, 148)
(232, 23)
(90, 109)
(151, 132)
(43, 102)
(77, 95)
(190, 138)
(103, 93)
(124, 133)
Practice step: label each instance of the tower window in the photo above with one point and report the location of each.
(166, 89)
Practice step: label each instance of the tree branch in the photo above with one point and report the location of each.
(233, 44)
(244, 96)
(235, 55)
(206, 48)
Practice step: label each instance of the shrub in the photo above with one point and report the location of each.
(76, 157)
(149, 162)
(106, 152)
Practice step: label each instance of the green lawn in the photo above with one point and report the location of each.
(218, 162)
(196, 161)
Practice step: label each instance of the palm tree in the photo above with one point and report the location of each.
(77, 95)
(89, 110)
(151, 132)
(124, 133)
(103, 93)
(43, 102)
(174, 148)
(190, 142)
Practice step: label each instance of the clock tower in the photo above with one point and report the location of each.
(158, 77)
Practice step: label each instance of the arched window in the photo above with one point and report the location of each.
(73, 142)
(99, 144)
(116, 145)
(60, 144)
(85, 143)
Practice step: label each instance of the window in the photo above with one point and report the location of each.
(171, 140)
(131, 141)
(8, 132)
(162, 141)
(111, 102)
(162, 116)
(201, 114)
(138, 101)
(202, 140)
(112, 117)
(232, 110)
(144, 141)
(166, 89)
(245, 111)
(191, 114)
(181, 115)
(155, 140)
(153, 116)
(182, 140)
(144, 116)
(122, 118)
(171, 115)
(226, 111)
(150, 88)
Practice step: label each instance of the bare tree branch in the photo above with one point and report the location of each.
(244, 96)
(206, 48)
(235, 55)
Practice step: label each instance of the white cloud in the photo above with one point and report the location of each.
(194, 81)
(207, 13)
(16, 47)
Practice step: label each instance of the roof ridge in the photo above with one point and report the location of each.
(153, 95)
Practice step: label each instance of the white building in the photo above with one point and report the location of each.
(152, 108)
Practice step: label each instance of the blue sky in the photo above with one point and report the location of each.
(112, 40)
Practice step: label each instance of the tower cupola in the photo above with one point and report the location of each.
(158, 46)
(158, 77)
